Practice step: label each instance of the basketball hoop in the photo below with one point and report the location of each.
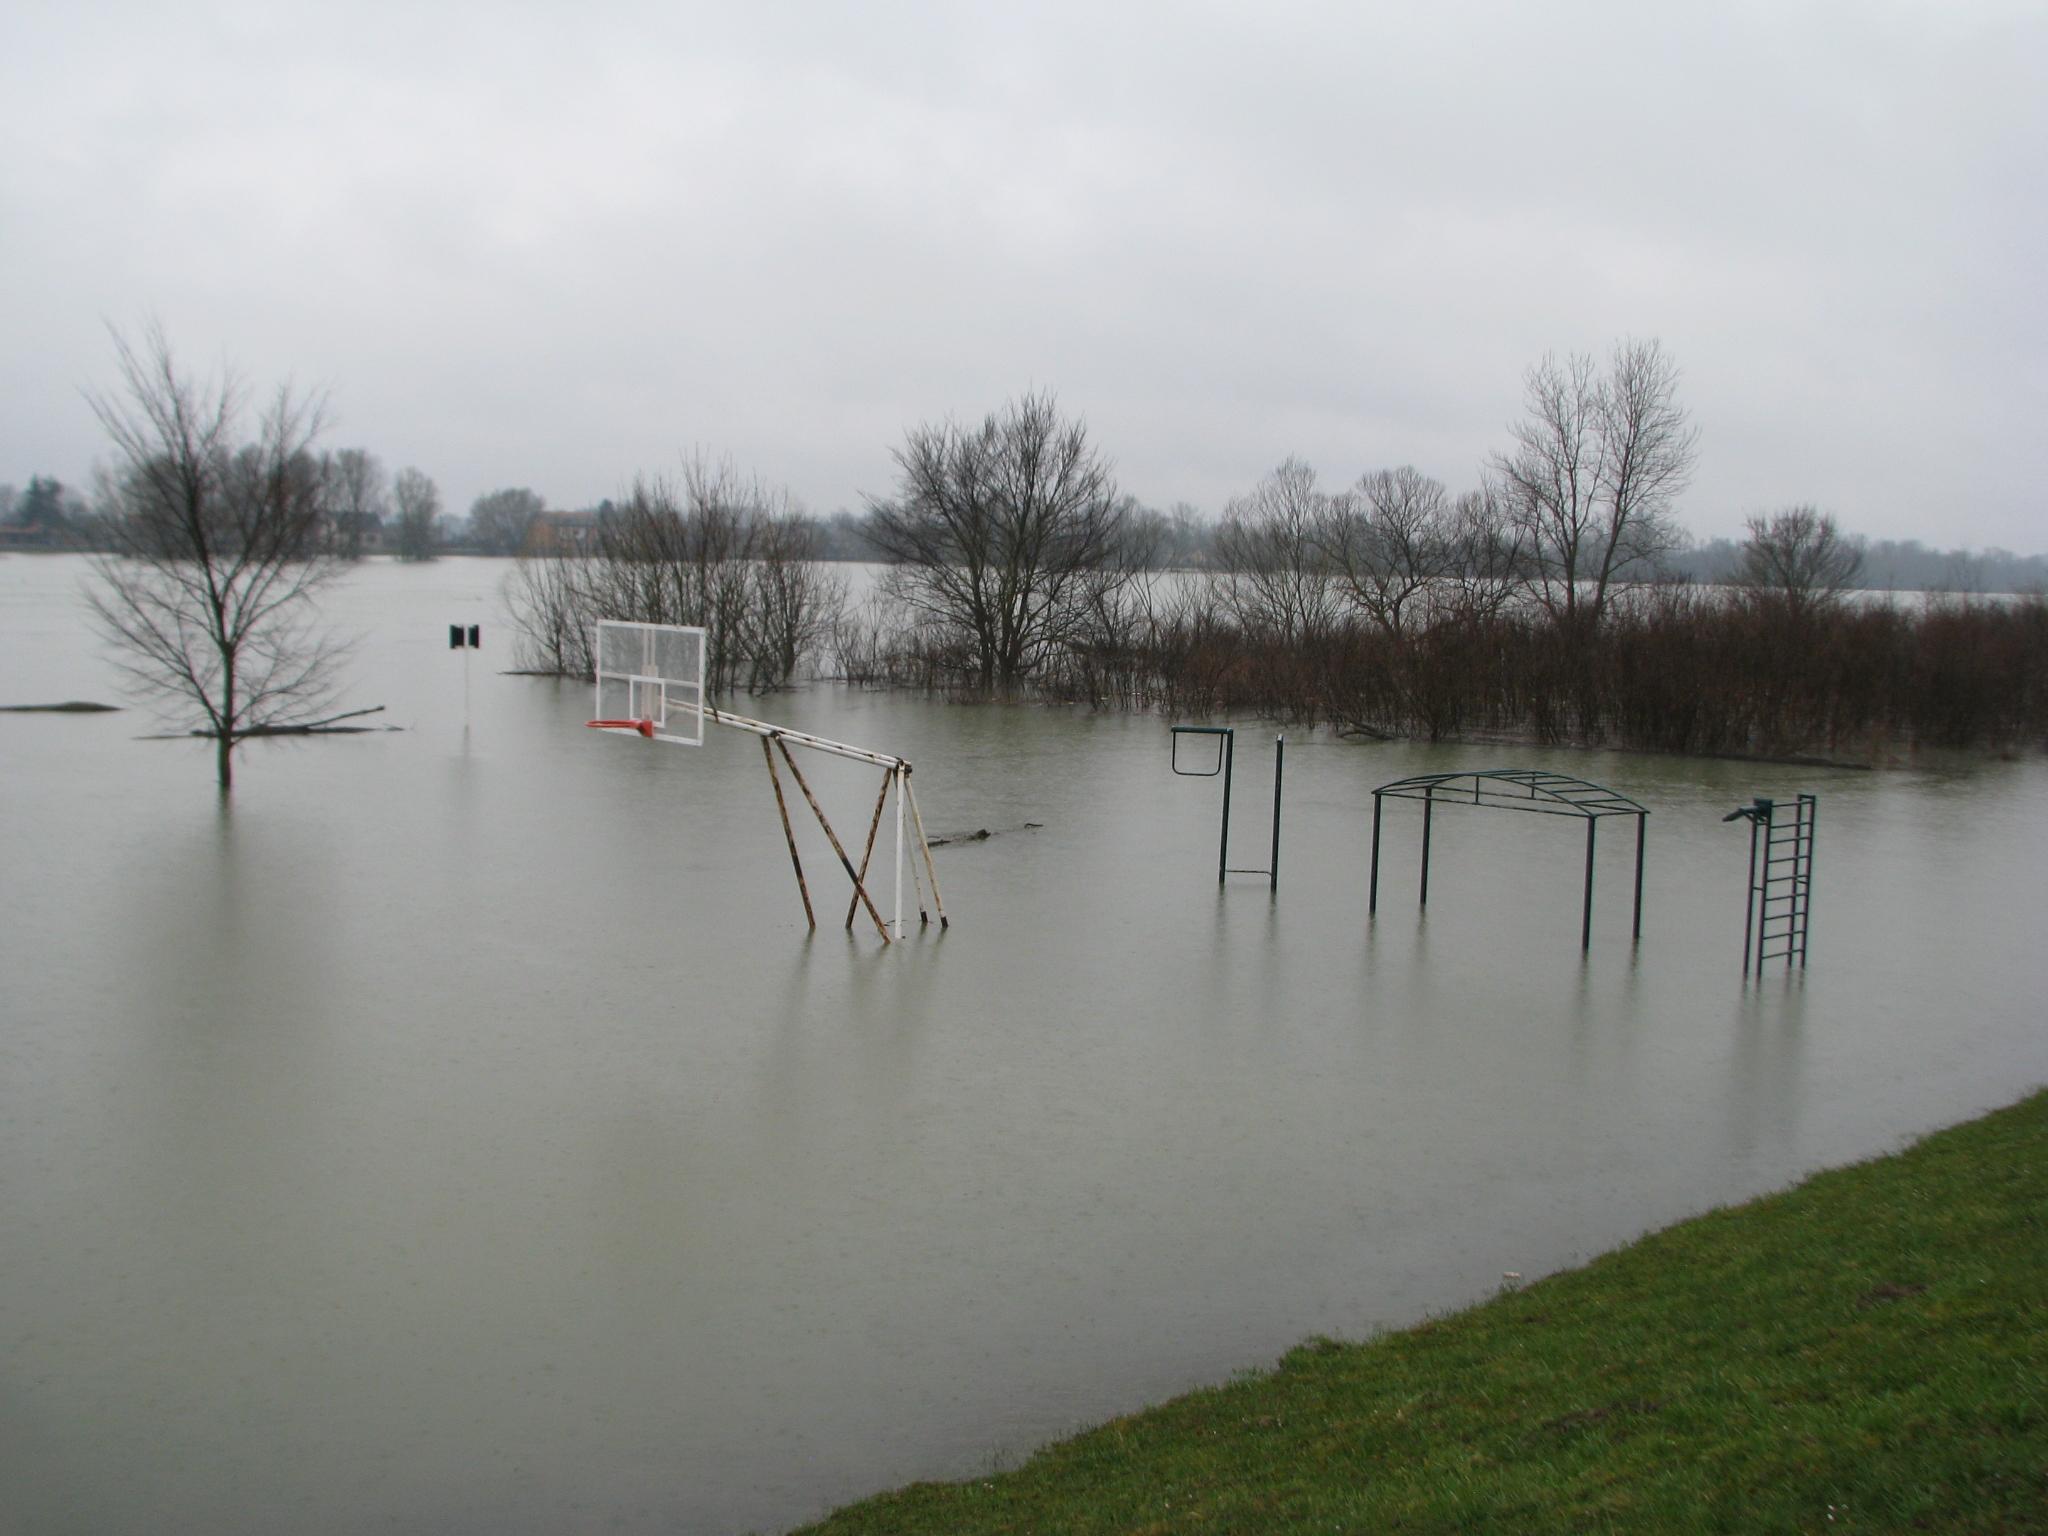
(650, 681)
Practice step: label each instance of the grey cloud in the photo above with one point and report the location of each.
(553, 246)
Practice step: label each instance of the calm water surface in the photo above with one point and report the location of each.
(463, 1132)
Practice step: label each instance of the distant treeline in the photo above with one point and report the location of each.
(1555, 598)
(1889, 565)
(357, 509)
(1184, 539)
(48, 515)
(1761, 667)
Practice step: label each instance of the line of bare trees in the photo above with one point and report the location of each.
(1008, 546)
(1679, 668)
(356, 506)
(714, 548)
(1532, 605)
(1527, 605)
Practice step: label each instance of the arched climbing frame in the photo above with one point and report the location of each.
(1514, 789)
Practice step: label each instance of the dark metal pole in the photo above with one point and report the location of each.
(1806, 916)
(1279, 762)
(1586, 923)
(1763, 902)
(1372, 889)
(1428, 809)
(1749, 897)
(1223, 842)
(1642, 826)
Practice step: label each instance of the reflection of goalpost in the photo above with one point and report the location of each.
(650, 682)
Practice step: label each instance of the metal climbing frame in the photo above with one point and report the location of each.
(1775, 920)
(1514, 789)
(1226, 759)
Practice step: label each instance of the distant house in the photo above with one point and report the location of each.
(563, 533)
(358, 533)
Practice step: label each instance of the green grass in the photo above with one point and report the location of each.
(1867, 1352)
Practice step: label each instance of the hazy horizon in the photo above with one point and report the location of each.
(534, 248)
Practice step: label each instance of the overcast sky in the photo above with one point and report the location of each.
(555, 246)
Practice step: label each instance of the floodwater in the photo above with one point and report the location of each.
(462, 1131)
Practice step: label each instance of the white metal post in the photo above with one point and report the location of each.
(899, 777)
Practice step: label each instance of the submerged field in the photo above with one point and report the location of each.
(463, 1131)
(1866, 1353)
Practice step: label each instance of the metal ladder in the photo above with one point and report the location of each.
(1780, 881)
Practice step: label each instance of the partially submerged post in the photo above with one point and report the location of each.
(803, 886)
(1226, 758)
(1518, 789)
(650, 683)
(468, 639)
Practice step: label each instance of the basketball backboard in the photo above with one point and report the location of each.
(652, 673)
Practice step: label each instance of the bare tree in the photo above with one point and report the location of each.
(1175, 539)
(419, 504)
(1001, 534)
(718, 549)
(550, 600)
(1273, 573)
(48, 506)
(1489, 555)
(795, 602)
(1798, 562)
(500, 521)
(681, 554)
(1390, 543)
(721, 527)
(1103, 658)
(217, 550)
(358, 497)
(1597, 463)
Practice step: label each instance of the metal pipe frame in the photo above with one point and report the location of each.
(806, 739)
(1227, 767)
(1538, 790)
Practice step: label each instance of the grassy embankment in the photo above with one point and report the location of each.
(1868, 1352)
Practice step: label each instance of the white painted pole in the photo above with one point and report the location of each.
(899, 776)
